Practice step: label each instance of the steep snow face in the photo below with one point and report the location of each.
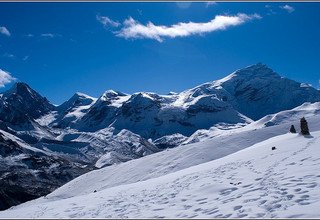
(107, 147)
(129, 146)
(170, 141)
(69, 112)
(21, 103)
(78, 99)
(258, 91)
(254, 91)
(256, 182)
(102, 113)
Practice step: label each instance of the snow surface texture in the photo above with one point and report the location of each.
(254, 182)
(172, 160)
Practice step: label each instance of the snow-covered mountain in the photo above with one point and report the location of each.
(86, 133)
(103, 112)
(20, 104)
(257, 90)
(248, 93)
(69, 112)
(152, 116)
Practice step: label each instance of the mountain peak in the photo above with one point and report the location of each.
(111, 94)
(82, 95)
(24, 92)
(24, 102)
(248, 73)
(20, 88)
(258, 69)
(78, 99)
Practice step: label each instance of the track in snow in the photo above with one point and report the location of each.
(255, 182)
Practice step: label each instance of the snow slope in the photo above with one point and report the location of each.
(222, 144)
(254, 182)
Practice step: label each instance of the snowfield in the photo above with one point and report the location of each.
(253, 182)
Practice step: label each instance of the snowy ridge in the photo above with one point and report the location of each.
(305, 110)
(255, 182)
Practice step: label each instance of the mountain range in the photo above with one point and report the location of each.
(44, 146)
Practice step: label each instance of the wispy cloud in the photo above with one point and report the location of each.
(183, 5)
(29, 35)
(107, 21)
(270, 9)
(134, 29)
(8, 55)
(288, 8)
(208, 4)
(50, 35)
(5, 31)
(5, 78)
(25, 58)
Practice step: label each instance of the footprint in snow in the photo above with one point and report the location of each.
(228, 191)
(237, 207)
(312, 185)
(289, 197)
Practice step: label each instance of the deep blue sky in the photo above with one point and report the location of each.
(85, 56)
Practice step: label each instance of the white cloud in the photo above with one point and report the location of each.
(8, 55)
(50, 35)
(47, 35)
(270, 10)
(288, 8)
(29, 35)
(5, 78)
(5, 31)
(208, 4)
(134, 29)
(107, 21)
(25, 58)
